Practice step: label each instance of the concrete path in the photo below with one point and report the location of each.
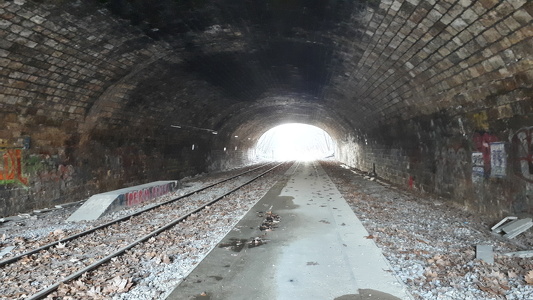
(319, 250)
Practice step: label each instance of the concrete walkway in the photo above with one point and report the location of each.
(319, 250)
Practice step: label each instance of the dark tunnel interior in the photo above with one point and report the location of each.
(99, 95)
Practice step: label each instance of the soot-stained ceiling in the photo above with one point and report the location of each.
(250, 52)
(360, 64)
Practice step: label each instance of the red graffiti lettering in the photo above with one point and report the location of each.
(130, 198)
(11, 167)
(482, 144)
(146, 195)
(139, 196)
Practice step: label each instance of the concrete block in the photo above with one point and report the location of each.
(6, 250)
(100, 204)
(484, 252)
(516, 227)
(496, 228)
(522, 254)
(11, 218)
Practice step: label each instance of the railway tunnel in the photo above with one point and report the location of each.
(99, 95)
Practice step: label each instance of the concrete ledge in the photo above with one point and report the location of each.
(100, 204)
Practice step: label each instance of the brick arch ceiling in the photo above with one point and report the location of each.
(241, 66)
(252, 121)
(360, 63)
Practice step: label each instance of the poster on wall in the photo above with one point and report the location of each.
(478, 169)
(498, 160)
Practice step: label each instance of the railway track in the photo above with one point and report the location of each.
(85, 251)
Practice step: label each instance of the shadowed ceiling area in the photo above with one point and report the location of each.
(368, 62)
(249, 52)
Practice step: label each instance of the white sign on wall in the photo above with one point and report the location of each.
(498, 160)
(478, 167)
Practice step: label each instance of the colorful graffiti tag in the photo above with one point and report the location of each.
(11, 167)
(523, 152)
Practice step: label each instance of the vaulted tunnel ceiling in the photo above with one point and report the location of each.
(354, 63)
(341, 64)
(253, 64)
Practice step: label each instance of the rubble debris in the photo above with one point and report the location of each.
(256, 242)
(516, 227)
(512, 229)
(496, 228)
(236, 245)
(521, 254)
(44, 210)
(270, 221)
(8, 219)
(484, 252)
(6, 250)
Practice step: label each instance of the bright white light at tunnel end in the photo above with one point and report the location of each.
(295, 141)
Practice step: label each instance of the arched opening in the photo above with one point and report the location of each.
(294, 141)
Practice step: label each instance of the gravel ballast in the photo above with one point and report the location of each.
(146, 271)
(431, 243)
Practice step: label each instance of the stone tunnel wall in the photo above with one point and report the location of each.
(482, 161)
(453, 94)
(67, 70)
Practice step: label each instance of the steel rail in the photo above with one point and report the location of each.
(121, 219)
(45, 292)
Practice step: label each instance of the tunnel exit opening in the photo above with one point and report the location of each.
(295, 141)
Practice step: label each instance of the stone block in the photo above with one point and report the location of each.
(522, 17)
(484, 252)
(488, 4)
(496, 228)
(38, 19)
(516, 227)
(521, 254)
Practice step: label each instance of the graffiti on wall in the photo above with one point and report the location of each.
(522, 143)
(62, 175)
(11, 167)
(478, 167)
(498, 160)
(482, 141)
(143, 195)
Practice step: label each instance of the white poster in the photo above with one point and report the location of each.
(478, 169)
(498, 160)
